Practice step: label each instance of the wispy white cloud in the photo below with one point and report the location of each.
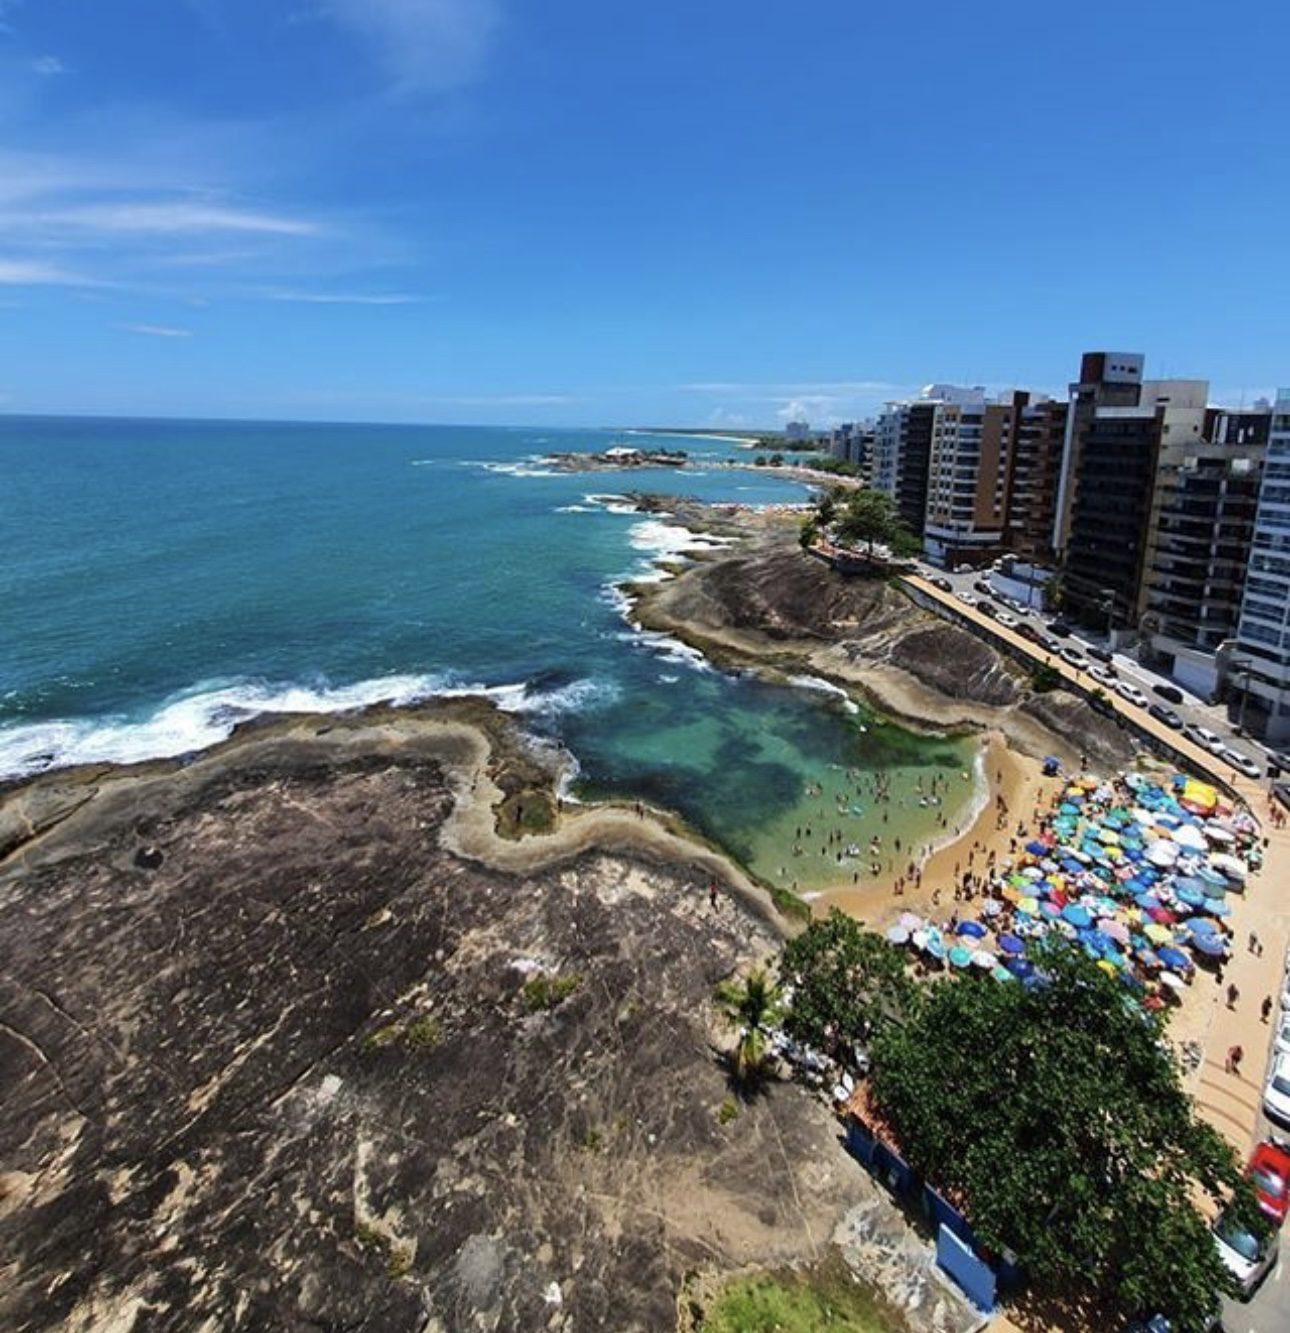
(172, 217)
(422, 45)
(343, 298)
(157, 330)
(48, 66)
(37, 273)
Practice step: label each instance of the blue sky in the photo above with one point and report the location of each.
(605, 212)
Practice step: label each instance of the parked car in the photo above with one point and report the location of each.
(1060, 628)
(983, 587)
(1269, 1173)
(966, 598)
(1006, 619)
(1170, 692)
(1131, 693)
(1242, 762)
(1205, 738)
(987, 608)
(1100, 654)
(1276, 1091)
(1104, 675)
(943, 584)
(1049, 645)
(1166, 715)
(1028, 631)
(1281, 1045)
(1247, 1256)
(962, 569)
(1075, 658)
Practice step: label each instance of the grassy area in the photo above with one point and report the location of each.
(826, 1300)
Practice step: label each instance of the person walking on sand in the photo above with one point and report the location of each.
(1255, 947)
(1232, 995)
(1234, 1057)
(1266, 1008)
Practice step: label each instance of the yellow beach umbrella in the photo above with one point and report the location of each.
(1157, 933)
(1029, 905)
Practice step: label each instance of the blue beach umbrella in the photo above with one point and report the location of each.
(1077, 914)
(960, 956)
(1036, 848)
(1011, 944)
(973, 929)
(1203, 925)
(1217, 907)
(1192, 897)
(1020, 967)
(1210, 945)
(1174, 958)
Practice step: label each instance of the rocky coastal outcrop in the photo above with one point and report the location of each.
(767, 600)
(303, 1065)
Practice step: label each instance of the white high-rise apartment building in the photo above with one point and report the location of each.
(1260, 668)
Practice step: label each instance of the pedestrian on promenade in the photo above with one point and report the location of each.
(1232, 995)
(1234, 1057)
(1266, 1008)
(1255, 947)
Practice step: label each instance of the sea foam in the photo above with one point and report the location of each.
(203, 717)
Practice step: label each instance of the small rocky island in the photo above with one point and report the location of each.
(616, 458)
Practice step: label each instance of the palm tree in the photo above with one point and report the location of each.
(752, 1006)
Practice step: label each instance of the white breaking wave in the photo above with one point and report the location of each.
(577, 509)
(825, 687)
(195, 721)
(663, 540)
(612, 504)
(527, 468)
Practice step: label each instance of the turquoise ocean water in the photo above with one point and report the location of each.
(162, 580)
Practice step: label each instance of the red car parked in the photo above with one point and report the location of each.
(1269, 1171)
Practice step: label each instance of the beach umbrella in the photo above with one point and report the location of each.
(991, 907)
(1147, 901)
(1148, 958)
(1019, 967)
(1213, 946)
(936, 947)
(1162, 852)
(1192, 897)
(1172, 980)
(1037, 848)
(1002, 974)
(1217, 907)
(1106, 966)
(1217, 833)
(983, 958)
(1203, 925)
(918, 939)
(1050, 909)
(1011, 894)
(1162, 916)
(1190, 837)
(973, 929)
(1030, 906)
(1231, 866)
(910, 920)
(1174, 958)
(898, 935)
(1011, 944)
(960, 956)
(1115, 930)
(1076, 914)
(1157, 933)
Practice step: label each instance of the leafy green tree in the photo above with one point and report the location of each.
(809, 533)
(776, 459)
(827, 509)
(848, 983)
(1058, 1114)
(751, 1005)
(870, 516)
(1044, 678)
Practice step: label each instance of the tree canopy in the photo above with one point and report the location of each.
(1057, 1113)
(848, 983)
(869, 516)
(751, 1005)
